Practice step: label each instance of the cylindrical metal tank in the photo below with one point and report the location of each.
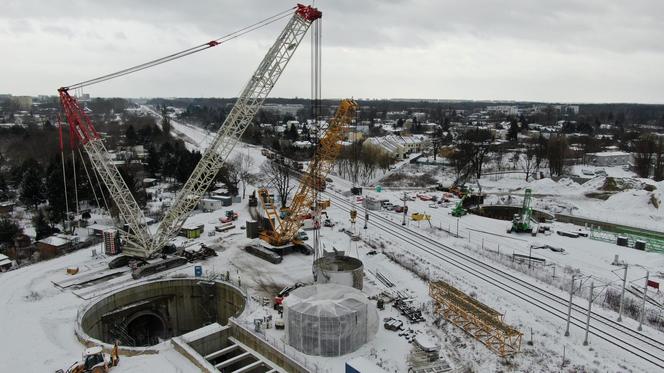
(252, 229)
(339, 269)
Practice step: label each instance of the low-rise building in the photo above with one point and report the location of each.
(53, 246)
(607, 159)
(6, 207)
(397, 146)
(191, 230)
(5, 263)
(210, 204)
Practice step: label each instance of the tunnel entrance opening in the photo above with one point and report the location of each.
(148, 313)
(146, 329)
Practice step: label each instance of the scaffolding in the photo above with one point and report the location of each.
(477, 319)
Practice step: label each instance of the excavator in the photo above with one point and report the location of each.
(523, 222)
(284, 230)
(95, 360)
(458, 210)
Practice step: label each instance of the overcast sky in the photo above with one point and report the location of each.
(554, 50)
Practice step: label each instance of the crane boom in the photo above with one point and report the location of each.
(285, 230)
(250, 100)
(129, 211)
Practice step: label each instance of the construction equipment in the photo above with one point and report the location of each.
(130, 213)
(94, 361)
(239, 118)
(458, 210)
(140, 243)
(416, 216)
(523, 221)
(284, 231)
(229, 216)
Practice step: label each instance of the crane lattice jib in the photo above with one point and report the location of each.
(129, 212)
(328, 149)
(240, 116)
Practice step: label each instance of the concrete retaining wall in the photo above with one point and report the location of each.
(184, 304)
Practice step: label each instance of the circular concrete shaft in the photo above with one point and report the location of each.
(147, 313)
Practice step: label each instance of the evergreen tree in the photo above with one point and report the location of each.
(42, 228)
(291, 133)
(130, 136)
(513, 131)
(3, 182)
(55, 193)
(153, 161)
(165, 122)
(32, 186)
(8, 230)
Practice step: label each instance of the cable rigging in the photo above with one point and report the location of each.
(199, 48)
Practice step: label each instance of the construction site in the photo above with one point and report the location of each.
(342, 277)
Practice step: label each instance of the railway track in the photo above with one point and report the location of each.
(638, 344)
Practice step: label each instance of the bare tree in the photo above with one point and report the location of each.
(369, 161)
(230, 176)
(526, 160)
(476, 145)
(498, 156)
(557, 150)
(461, 164)
(244, 163)
(279, 177)
(644, 152)
(659, 160)
(540, 152)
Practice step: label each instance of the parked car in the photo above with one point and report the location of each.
(302, 235)
(433, 205)
(400, 208)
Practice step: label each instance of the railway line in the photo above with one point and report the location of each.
(638, 344)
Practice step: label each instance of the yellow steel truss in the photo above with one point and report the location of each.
(477, 319)
(284, 230)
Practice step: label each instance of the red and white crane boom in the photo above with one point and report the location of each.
(140, 242)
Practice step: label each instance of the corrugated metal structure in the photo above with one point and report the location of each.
(329, 319)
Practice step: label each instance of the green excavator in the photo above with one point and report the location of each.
(523, 221)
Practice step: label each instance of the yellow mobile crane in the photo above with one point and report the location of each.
(284, 230)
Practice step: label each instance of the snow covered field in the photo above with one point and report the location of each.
(38, 318)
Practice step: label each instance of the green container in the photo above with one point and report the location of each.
(379, 188)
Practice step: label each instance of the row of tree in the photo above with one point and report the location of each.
(475, 148)
(649, 156)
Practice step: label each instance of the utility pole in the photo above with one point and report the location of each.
(590, 303)
(622, 295)
(569, 309)
(530, 256)
(643, 303)
(403, 222)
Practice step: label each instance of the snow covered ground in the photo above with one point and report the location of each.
(38, 319)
